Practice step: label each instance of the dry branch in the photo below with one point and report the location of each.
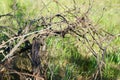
(80, 26)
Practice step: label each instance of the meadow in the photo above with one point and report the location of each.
(90, 50)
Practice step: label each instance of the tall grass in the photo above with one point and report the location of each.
(66, 60)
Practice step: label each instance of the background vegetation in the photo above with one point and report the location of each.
(66, 58)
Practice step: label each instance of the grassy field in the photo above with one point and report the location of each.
(68, 58)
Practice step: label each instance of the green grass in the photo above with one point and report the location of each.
(66, 60)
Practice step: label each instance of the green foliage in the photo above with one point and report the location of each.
(112, 70)
(69, 72)
(53, 72)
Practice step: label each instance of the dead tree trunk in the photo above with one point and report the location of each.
(35, 57)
